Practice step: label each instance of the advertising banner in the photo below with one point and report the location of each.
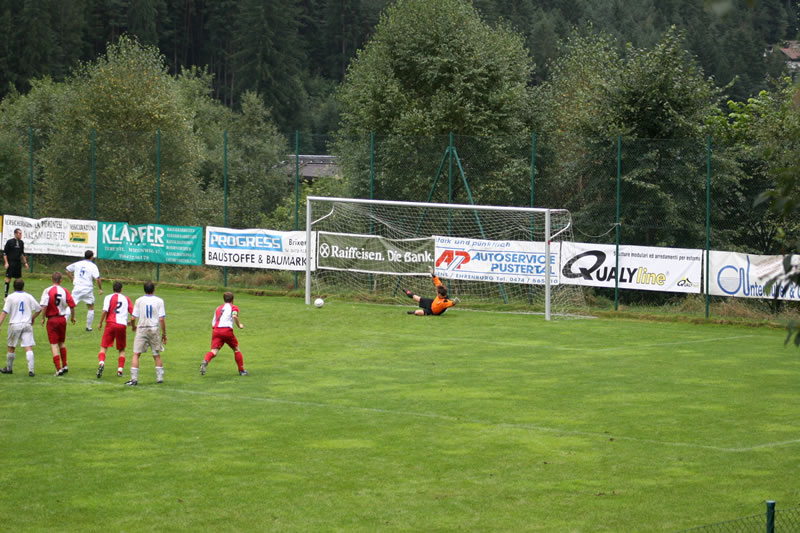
(256, 248)
(640, 267)
(58, 236)
(151, 243)
(746, 276)
(502, 261)
(375, 254)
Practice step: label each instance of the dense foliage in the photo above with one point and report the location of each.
(294, 52)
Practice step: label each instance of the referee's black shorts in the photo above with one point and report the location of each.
(14, 270)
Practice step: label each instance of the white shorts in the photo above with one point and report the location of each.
(148, 337)
(20, 333)
(83, 293)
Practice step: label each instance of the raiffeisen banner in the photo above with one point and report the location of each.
(747, 276)
(58, 236)
(374, 254)
(256, 248)
(521, 262)
(640, 267)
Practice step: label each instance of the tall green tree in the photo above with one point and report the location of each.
(430, 69)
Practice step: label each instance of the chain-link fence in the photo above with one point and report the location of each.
(775, 520)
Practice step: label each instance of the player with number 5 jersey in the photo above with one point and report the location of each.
(57, 304)
(117, 311)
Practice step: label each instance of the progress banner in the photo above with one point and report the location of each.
(150, 243)
(256, 248)
(746, 276)
(640, 267)
(57, 236)
(375, 254)
(502, 261)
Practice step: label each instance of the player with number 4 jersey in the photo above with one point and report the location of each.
(57, 304)
(117, 311)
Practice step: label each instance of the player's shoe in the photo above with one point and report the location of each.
(158, 381)
(88, 329)
(243, 372)
(31, 374)
(119, 372)
(60, 372)
(203, 367)
(131, 383)
(6, 370)
(100, 369)
(412, 312)
(64, 369)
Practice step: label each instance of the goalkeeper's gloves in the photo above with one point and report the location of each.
(432, 271)
(456, 300)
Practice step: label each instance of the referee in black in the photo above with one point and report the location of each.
(14, 257)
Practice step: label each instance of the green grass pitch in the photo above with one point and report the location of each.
(358, 417)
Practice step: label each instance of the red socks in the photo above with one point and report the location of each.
(239, 360)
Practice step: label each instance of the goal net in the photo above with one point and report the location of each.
(489, 257)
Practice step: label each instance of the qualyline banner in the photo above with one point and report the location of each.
(502, 261)
(256, 248)
(747, 276)
(375, 254)
(640, 267)
(152, 243)
(57, 236)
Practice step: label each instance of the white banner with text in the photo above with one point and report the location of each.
(257, 248)
(57, 236)
(747, 275)
(640, 267)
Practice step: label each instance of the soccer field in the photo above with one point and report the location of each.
(358, 417)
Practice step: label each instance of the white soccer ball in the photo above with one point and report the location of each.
(319, 302)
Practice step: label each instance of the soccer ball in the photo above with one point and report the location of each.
(319, 302)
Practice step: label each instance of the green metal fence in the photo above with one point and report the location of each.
(774, 520)
(688, 193)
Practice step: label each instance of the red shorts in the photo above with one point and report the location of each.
(57, 329)
(222, 336)
(118, 332)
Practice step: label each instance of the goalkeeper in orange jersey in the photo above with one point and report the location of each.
(432, 306)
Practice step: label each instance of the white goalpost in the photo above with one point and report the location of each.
(490, 257)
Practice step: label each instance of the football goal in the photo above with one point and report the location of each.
(490, 257)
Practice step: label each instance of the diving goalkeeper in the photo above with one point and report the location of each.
(434, 306)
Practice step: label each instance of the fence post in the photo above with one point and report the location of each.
(619, 180)
(770, 516)
(94, 178)
(297, 191)
(30, 183)
(158, 190)
(533, 167)
(225, 195)
(708, 222)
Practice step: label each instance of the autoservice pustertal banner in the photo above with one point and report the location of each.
(58, 236)
(257, 248)
(747, 275)
(375, 254)
(640, 267)
(151, 243)
(502, 261)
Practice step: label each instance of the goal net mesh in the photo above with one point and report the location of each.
(490, 258)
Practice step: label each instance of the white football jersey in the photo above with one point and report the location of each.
(20, 307)
(148, 309)
(84, 273)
